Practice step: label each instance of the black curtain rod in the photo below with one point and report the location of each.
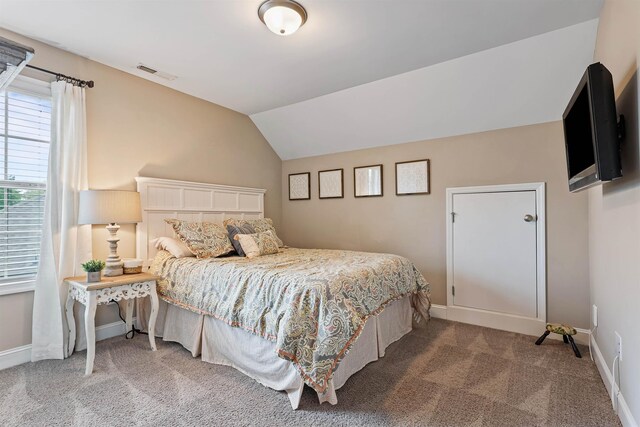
(59, 76)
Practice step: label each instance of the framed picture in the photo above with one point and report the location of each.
(331, 184)
(367, 181)
(412, 177)
(300, 186)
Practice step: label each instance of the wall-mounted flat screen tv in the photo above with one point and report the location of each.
(591, 131)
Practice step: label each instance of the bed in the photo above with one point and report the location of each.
(300, 316)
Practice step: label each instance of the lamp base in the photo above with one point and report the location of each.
(114, 265)
(113, 270)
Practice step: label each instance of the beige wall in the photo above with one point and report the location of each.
(139, 128)
(614, 208)
(15, 320)
(414, 226)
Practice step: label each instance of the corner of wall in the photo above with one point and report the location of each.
(614, 216)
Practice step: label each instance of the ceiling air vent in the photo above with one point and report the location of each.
(13, 58)
(155, 72)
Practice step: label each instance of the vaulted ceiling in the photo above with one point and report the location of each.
(359, 73)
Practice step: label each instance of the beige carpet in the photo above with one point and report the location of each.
(444, 374)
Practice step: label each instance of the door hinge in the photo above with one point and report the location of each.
(453, 217)
(453, 291)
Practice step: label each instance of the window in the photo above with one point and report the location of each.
(25, 134)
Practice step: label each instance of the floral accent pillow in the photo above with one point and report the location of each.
(204, 239)
(257, 244)
(260, 225)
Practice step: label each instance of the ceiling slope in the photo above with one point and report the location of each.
(221, 52)
(521, 83)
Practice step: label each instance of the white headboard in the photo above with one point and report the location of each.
(190, 201)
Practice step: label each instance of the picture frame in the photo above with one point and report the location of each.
(300, 186)
(413, 177)
(331, 184)
(367, 181)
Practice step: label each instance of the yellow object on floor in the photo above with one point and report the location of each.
(561, 329)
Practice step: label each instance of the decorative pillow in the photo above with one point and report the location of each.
(257, 244)
(173, 246)
(259, 225)
(239, 229)
(204, 239)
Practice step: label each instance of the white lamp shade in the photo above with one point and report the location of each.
(109, 206)
(282, 20)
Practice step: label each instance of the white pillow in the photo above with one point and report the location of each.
(173, 246)
(258, 244)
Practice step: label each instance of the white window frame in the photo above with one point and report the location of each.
(29, 86)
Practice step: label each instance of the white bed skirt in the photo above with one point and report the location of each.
(218, 343)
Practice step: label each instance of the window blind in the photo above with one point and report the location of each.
(25, 134)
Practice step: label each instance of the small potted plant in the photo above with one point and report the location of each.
(93, 269)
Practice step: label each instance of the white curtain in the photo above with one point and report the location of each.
(65, 245)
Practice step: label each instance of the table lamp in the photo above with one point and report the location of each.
(110, 207)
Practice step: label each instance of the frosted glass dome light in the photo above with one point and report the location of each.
(282, 17)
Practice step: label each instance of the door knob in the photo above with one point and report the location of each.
(529, 218)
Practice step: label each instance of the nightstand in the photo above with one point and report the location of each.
(127, 287)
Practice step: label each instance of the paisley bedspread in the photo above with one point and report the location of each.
(313, 303)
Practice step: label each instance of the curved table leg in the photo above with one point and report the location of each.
(71, 324)
(152, 318)
(89, 325)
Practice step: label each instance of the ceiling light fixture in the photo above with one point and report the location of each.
(282, 17)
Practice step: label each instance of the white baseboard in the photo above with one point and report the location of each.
(438, 311)
(491, 319)
(624, 413)
(15, 356)
(104, 332)
(505, 322)
(19, 355)
(582, 337)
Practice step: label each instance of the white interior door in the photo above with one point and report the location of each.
(494, 253)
